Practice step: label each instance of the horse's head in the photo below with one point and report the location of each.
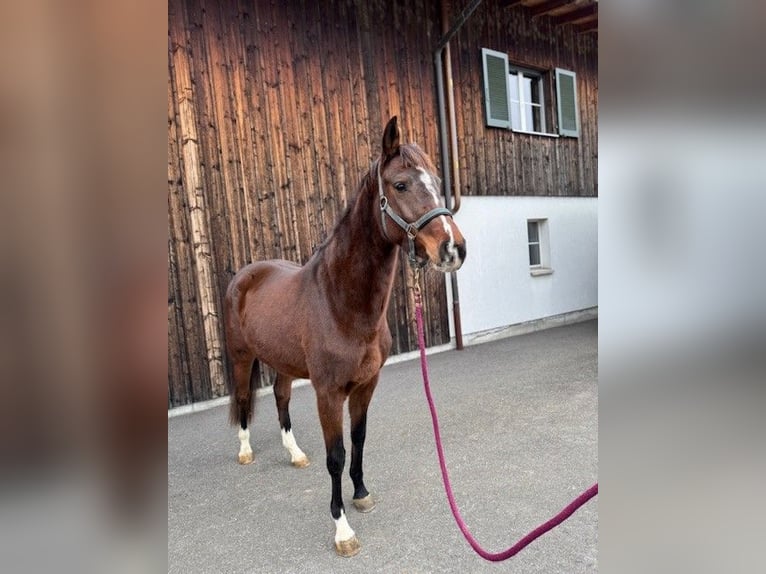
(410, 212)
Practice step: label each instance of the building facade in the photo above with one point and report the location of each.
(275, 110)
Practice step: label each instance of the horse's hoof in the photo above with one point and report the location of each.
(301, 462)
(245, 458)
(348, 548)
(365, 504)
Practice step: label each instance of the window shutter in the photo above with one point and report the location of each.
(566, 98)
(496, 88)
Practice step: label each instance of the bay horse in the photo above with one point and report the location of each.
(326, 321)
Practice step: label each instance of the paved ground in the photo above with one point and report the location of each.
(519, 425)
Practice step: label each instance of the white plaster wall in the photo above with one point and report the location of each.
(495, 286)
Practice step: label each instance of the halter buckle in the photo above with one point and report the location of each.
(383, 202)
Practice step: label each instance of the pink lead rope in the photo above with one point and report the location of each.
(534, 534)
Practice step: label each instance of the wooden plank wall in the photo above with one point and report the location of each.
(275, 111)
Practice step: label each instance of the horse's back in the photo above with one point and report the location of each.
(251, 276)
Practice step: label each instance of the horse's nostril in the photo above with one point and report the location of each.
(461, 251)
(447, 252)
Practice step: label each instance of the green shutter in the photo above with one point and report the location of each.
(566, 97)
(496, 88)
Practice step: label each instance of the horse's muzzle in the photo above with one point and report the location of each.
(451, 256)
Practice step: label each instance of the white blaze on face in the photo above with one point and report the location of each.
(288, 441)
(244, 442)
(430, 184)
(342, 529)
(433, 189)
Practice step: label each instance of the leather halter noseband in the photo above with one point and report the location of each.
(411, 229)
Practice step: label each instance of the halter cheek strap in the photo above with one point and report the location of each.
(411, 229)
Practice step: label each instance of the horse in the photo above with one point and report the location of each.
(326, 321)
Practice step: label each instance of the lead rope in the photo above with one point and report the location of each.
(534, 534)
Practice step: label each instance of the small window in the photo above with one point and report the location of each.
(539, 250)
(533, 231)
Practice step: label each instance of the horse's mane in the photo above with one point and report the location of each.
(412, 156)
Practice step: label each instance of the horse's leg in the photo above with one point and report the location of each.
(330, 405)
(245, 373)
(358, 402)
(282, 391)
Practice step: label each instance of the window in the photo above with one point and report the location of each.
(515, 97)
(539, 251)
(527, 101)
(533, 232)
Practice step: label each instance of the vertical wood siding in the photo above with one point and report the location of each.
(288, 101)
(275, 111)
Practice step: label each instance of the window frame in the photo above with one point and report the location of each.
(543, 247)
(533, 224)
(539, 77)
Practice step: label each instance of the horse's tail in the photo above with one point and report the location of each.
(246, 371)
(242, 400)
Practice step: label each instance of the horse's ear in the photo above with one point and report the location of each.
(391, 137)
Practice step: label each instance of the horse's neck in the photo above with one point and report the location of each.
(361, 263)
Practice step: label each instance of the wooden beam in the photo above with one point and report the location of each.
(585, 27)
(545, 7)
(574, 15)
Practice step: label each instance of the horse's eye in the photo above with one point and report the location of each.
(400, 186)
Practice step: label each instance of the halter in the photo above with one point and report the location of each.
(411, 229)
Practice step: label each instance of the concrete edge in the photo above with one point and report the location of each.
(569, 318)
